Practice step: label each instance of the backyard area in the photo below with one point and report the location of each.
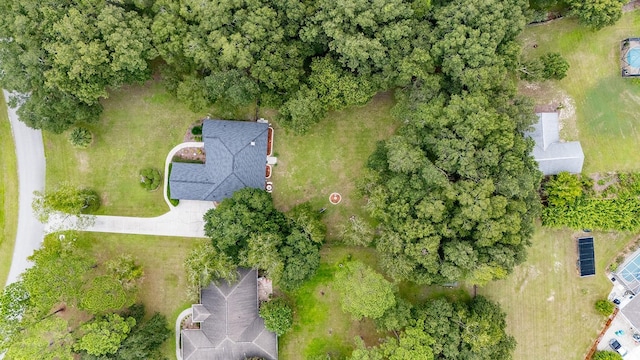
(138, 127)
(550, 309)
(331, 158)
(602, 107)
(164, 286)
(8, 193)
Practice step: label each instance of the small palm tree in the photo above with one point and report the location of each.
(80, 137)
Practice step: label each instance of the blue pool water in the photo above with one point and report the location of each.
(633, 57)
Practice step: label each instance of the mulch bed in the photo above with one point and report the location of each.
(191, 154)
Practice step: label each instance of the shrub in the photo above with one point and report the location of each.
(196, 130)
(91, 201)
(604, 307)
(277, 315)
(80, 138)
(563, 189)
(606, 355)
(555, 66)
(173, 202)
(150, 178)
(104, 295)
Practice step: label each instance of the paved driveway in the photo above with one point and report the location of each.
(185, 220)
(625, 339)
(31, 175)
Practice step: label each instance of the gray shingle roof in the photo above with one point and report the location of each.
(233, 330)
(552, 155)
(236, 158)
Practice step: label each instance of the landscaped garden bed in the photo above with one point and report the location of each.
(270, 142)
(191, 155)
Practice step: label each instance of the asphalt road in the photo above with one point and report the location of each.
(31, 175)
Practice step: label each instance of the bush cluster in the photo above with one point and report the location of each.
(80, 138)
(604, 307)
(277, 315)
(615, 208)
(150, 178)
(173, 202)
(196, 130)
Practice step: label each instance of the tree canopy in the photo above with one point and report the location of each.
(455, 190)
(62, 56)
(247, 230)
(440, 329)
(597, 13)
(104, 335)
(363, 292)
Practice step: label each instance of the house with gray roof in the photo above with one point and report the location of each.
(230, 326)
(236, 156)
(553, 155)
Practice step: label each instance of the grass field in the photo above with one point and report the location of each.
(138, 127)
(550, 309)
(330, 157)
(320, 326)
(606, 105)
(164, 284)
(8, 193)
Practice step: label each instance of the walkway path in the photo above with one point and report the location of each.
(31, 176)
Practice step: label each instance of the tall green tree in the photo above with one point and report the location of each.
(145, 339)
(104, 335)
(597, 13)
(65, 198)
(247, 230)
(474, 330)
(64, 55)
(363, 292)
(455, 190)
(474, 43)
(47, 339)
(58, 274)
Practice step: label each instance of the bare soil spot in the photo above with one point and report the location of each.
(83, 161)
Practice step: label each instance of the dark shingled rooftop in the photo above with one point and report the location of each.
(236, 157)
(233, 330)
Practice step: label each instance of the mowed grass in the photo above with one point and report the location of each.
(320, 326)
(607, 119)
(138, 127)
(550, 309)
(8, 193)
(329, 158)
(164, 286)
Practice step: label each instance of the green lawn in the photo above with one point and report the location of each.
(139, 126)
(330, 157)
(550, 309)
(320, 326)
(8, 193)
(164, 284)
(606, 105)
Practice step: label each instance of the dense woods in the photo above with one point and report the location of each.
(304, 58)
(454, 192)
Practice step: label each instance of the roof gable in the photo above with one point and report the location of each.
(233, 329)
(236, 154)
(552, 155)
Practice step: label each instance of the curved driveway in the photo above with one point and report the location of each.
(31, 175)
(185, 220)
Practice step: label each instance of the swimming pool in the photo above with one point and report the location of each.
(633, 57)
